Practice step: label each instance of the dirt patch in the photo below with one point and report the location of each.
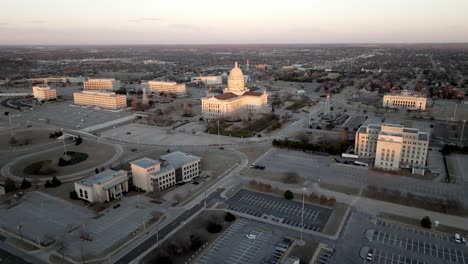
(25, 138)
(305, 252)
(340, 188)
(21, 244)
(186, 241)
(339, 213)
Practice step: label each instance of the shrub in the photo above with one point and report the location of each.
(55, 182)
(288, 195)
(73, 195)
(10, 185)
(13, 141)
(426, 222)
(214, 228)
(78, 141)
(228, 217)
(47, 184)
(195, 242)
(25, 184)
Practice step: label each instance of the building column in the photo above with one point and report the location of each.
(107, 196)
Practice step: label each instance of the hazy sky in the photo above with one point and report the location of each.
(237, 21)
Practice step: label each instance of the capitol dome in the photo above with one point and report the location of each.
(236, 82)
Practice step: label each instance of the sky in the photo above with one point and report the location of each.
(90, 22)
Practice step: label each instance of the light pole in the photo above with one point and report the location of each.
(302, 214)
(205, 201)
(64, 146)
(11, 127)
(219, 143)
(20, 232)
(463, 130)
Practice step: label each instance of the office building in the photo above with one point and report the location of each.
(106, 100)
(44, 93)
(156, 175)
(164, 87)
(392, 146)
(208, 80)
(236, 99)
(103, 187)
(405, 100)
(101, 84)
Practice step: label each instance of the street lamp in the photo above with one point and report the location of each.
(302, 214)
(463, 130)
(219, 143)
(64, 146)
(20, 227)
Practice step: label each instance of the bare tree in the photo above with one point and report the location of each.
(291, 178)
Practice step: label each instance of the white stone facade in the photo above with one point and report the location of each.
(236, 99)
(103, 187)
(165, 87)
(405, 100)
(150, 175)
(392, 146)
(106, 100)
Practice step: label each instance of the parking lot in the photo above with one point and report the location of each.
(386, 257)
(324, 257)
(64, 114)
(279, 210)
(45, 219)
(426, 246)
(234, 247)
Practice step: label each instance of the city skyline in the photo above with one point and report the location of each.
(209, 22)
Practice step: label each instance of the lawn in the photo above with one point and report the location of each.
(73, 158)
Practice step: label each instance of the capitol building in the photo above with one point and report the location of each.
(235, 100)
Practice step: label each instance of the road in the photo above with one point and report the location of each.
(180, 220)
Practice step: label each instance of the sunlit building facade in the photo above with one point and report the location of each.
(106, 100)
(236, 99)
(405, 100)
(103, 187)
(392, 146)
(101, 84)
(165, 87)
(44, 93)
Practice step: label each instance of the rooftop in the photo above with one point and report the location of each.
(145, 162)
(225, 96)
(102, 177)
(423, 136)
(178, 158)
(410, 130)
(252, 94)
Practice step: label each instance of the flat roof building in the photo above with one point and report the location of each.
(176, 167)
(44, 93)
(106, 100)
(103, 187)
(101, 84)
(405, 100)
(208, 80)
(392, 146)
(165, 87)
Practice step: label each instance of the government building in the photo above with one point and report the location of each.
(156, 175)
(105, 100)
(103, 187)
(236, 99)
(405, 100)
(44, 93)
(101, 84)
(393, 146)
(165, 87)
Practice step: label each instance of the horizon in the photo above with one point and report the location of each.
(208, 22)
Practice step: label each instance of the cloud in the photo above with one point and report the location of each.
(144, 19)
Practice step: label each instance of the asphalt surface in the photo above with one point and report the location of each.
(8, 258)
(279, 210)
(152, 240)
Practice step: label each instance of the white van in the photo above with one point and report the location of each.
(457, 238)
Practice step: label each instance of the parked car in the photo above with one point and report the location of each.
(370, 256)
(457, 238)
(116, 206)
(250, 236)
